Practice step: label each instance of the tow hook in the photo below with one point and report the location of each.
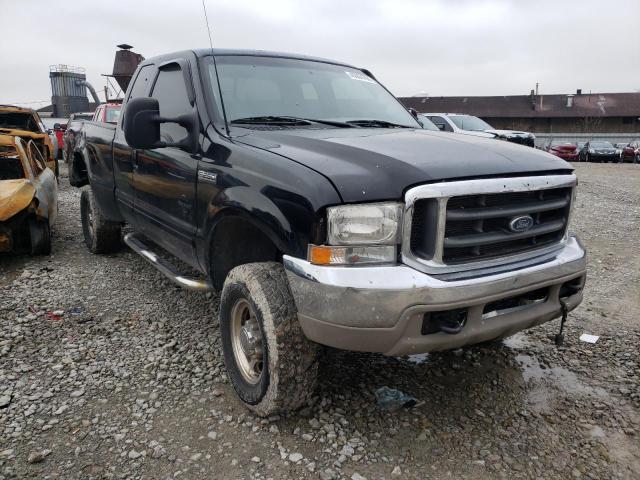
(448, 321)
(559, 338)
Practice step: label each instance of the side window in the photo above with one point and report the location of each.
(142, 82)
(441, 123)
(171, 93)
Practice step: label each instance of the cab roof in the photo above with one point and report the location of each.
(204, 52)
(13, 108)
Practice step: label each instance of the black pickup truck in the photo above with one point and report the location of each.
(314, 200)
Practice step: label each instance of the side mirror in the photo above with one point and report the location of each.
(413, 112)
(440, 126)
(142, 121)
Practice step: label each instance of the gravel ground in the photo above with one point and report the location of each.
(124, 378)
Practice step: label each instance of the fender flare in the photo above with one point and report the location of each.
(256, 209)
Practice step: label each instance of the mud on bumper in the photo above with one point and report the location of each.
(397, 310)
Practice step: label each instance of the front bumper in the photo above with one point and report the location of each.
(570, 157)
(383, 309)
(601, 157)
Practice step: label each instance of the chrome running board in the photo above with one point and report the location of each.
(163, 266)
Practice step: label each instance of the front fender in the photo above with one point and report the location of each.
(272, 216)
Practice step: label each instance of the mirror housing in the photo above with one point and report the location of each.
(413, 112)
(142, 121)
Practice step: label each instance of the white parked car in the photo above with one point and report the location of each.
(470, 125)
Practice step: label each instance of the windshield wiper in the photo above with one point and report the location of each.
(377, 124)
(285, 120)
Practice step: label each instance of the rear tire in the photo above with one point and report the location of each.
(272, 366)
(100, 235)
(40, 235)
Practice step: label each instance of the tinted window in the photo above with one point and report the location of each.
(468, 122)
(263, 86)
(171, 93)
(140, 87)
(428, 124)
(441, 123)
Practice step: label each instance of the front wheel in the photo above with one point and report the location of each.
(272, 366)
(40, 236)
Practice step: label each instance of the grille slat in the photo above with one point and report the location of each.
(507, 210)
(462, 241)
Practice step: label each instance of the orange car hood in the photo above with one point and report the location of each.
(15, 196)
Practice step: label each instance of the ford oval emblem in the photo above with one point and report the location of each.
(521, 224)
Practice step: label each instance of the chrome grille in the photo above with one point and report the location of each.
(477, 226)
(464, 225)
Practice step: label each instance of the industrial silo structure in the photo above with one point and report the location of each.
(69, 90)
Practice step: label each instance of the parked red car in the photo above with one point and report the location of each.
(627, 152)
(565, 150)
(107, 113)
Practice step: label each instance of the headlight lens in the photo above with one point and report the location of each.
(360, 234)
(365, 224)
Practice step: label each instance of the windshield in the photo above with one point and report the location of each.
(428, 124)
(278, 87)
(600, 145)
(51, 121)
(467, 122)
(19, 120)
(113, 113)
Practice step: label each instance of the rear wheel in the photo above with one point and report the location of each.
(40, 235)
(100, 235)
(271, 364)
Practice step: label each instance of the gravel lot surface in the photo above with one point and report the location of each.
(109, 371)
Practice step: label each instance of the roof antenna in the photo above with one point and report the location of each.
(215, 66)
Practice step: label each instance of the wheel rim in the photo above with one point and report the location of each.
(247, 341)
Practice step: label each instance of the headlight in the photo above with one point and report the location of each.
(365, 224)
(357, 234)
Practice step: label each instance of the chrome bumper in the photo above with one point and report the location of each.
(381, 309)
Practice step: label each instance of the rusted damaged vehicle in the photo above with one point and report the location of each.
(27, 124)
(28, 197)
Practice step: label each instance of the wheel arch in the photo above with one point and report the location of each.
(78, 169)
(237, 237)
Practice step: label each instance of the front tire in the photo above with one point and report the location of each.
(100, 234)
(40, 236)
(272, 366)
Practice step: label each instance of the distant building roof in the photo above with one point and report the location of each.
(526, 106)
(49, 108)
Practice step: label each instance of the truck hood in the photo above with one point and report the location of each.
(380, 164)
(15, 196)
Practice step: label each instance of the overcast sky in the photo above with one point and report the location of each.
(439, 47)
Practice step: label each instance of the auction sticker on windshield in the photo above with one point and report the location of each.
(359, 76)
